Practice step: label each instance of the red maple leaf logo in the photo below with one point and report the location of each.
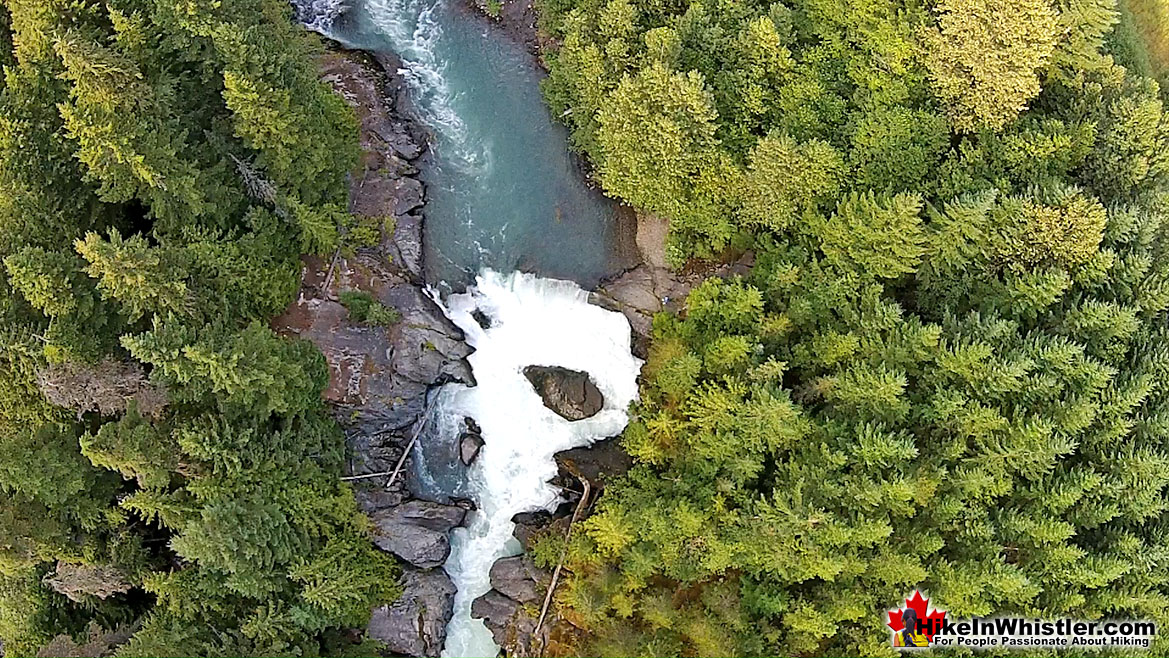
(924, 613)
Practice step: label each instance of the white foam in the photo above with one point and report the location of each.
(535, 321)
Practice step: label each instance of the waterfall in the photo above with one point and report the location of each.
(534, 321)
(319, 15)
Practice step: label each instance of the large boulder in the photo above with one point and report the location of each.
(469, 447)
(415, 624)
(598, 464)
(518, 579)
(511, 625)
(569, 393)
(416, 531)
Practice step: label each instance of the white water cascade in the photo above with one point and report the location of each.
(534, 321)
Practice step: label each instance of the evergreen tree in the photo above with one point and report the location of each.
(985, 56)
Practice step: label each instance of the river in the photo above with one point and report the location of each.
(503, 192)
(503, 195)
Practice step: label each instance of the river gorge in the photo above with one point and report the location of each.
(513, 236)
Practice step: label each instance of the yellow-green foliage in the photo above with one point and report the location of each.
(945, 369)
(985, 58)
(1152, 21)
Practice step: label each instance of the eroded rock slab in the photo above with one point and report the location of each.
(510, 624)
(379, 377)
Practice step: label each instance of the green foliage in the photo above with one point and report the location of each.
(985, 56)
(657, 143)
(944, 369)
(785, 179)
(366, 309)
(252, 368)
(882, 237)
(163, 165)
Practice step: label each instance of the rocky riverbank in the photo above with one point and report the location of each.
(380, 376)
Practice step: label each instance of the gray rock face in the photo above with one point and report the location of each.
(415, 624)
(598, 464)
(518, 579)
(378, 376)
(511, 627)
(416, 531)
(507, 609)
(569, 393)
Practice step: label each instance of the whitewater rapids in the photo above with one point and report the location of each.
(534, 321)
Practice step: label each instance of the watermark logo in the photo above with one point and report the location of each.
(916, 623)
(919, 625)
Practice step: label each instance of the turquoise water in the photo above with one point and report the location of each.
(502, 190)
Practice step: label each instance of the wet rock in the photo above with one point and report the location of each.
(378, 376)
(539, 517)
(470, 441)
(481, 318)
(465, 503)
(416, 531)
(569, 393)
(518, 579)
(470, 426)
(415, 624)
(528, 525)
(469, 447)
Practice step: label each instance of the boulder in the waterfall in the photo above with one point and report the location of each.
(569, 393)
(416, 531)
(597, 464)
(529, 525)
(469, 447)
(481, 318)
(415, 624)
(465, 503)
(518, 578)
(537, 518)
(470, 441)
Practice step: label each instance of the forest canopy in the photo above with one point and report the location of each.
(168, 475)
(947, 367)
